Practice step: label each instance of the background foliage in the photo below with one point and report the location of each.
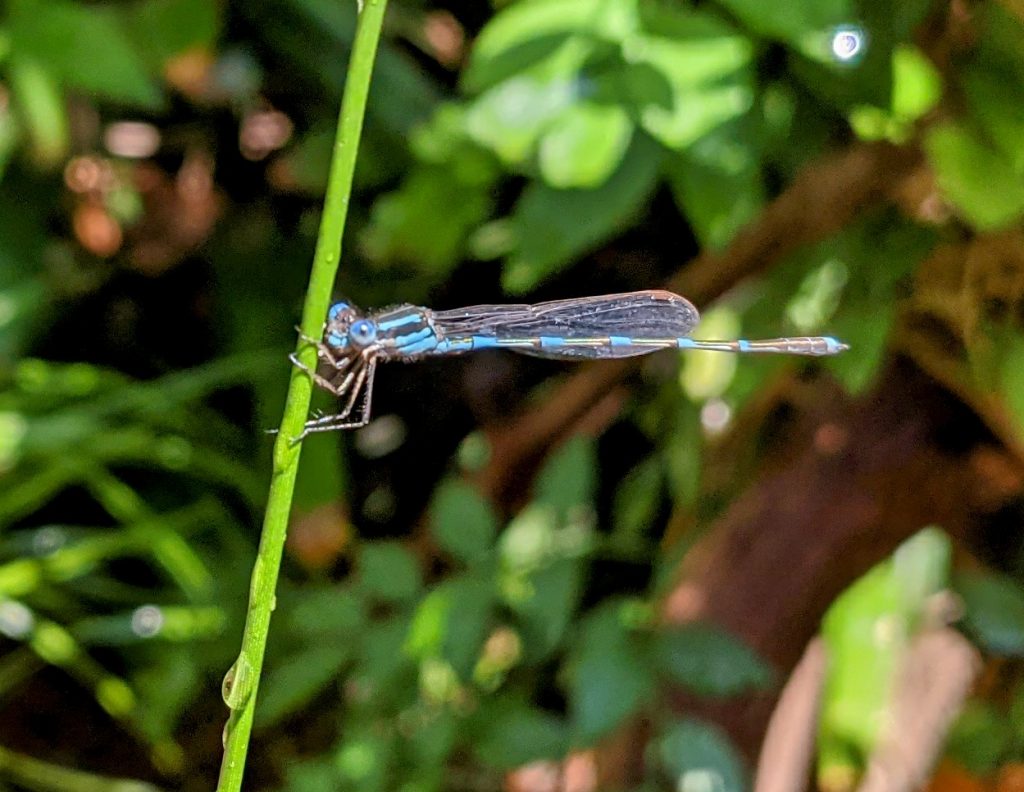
(492, 584)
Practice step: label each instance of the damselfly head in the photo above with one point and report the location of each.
(339, 319)
(347, 328)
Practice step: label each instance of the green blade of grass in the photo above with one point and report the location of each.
(243, 679)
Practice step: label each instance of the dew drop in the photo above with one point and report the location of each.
(237, 685)
(848, 43)
(147, 621)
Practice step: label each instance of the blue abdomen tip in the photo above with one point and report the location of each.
(834, 345)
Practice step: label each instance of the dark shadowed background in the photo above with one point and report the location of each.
(522, 575)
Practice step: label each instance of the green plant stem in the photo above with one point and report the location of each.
(243, 680)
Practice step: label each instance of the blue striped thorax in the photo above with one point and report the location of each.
(400, 332)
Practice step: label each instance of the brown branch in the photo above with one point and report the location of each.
(935, 677)
(866, 477)
(822, 199)
(785, 760)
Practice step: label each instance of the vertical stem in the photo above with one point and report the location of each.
(242, 682)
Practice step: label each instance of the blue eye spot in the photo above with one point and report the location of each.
(362, 333)
(335, 340)
(336, 309)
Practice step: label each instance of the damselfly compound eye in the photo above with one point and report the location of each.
(336, 309)
(362, 333)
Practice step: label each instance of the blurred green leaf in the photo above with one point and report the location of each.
(866, 632)
(311, 776)
(569, 478)
(683, 453)
(611, 674)
(525, 34)
(993, 102)
(982, 182)
(554, 226)
(1003, 370)
(388, 571)
(383, 668)
(42, 107)
(42, 776)
(584, 145)
(917, 84)
(166, 688)
(510, 117)
(548, 609)
(86, 47)
(689, 73)
(426, 222)
(462, 522)
(471, 602)
(164, 28)
(452, 622)
(293, 682)
(512, 734)
(718, 185)
(317, 613)
(993, 611)
(697, 755)
(980, 738)
(363, 760)
(994, 77)
(793, 22)
(847, 286)
(709, 661)
(916, 89)
(636, 504)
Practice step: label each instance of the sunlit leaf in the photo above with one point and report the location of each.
(427, 221)
(524, 34)
(866, 632)
(979, 180)
(584, 145)
(688, 83)
(42, 109)
(510, 117)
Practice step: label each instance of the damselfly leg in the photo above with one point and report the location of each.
(363, 382)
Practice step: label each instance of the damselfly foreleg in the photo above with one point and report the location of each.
(328, 423)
